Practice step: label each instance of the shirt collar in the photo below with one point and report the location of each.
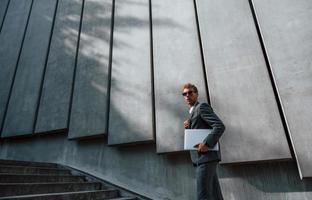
(192, 108)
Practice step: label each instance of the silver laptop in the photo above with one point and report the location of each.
(196, 136)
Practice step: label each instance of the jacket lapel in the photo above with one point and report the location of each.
(192, 113)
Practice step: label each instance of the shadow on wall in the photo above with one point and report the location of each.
(67, 44)
(127, 26)
(94, 57)
(270, 178)
(91, 53)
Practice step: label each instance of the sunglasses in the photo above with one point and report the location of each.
(187, 93)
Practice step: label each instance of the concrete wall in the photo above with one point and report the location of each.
(288, 37)
(90, 68)
(24, 96)
(131, 85)
(89, 107)
(160, 177)
(12, 37)
(3, 9)
(239, 84)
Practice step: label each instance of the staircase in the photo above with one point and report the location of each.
(20, 180)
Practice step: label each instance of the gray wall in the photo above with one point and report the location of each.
(240, 88)
(114, 68)
(3, 9)
(11, 40)
(160, 177)
(25, 93)
(131, 90)
(288, 37)
(90, 88)
(177, 59)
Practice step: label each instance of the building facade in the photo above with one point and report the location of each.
(96, 85)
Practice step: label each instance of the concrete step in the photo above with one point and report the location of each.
(14, 189)
(81, 195)
(27, 163)
(34, 178)
(45, 181)
(32, 170)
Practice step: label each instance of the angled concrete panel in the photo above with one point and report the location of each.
(3, 8)
(25, 92)
(89, 106)
(239, 84)
(11, 38)
(177, 60)
(131, 115)
(55, 97)
(287, 33)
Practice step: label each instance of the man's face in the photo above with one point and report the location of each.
(190, 96)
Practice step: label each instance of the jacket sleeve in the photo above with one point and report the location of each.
(207, 114)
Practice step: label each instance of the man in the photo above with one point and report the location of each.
(205, 161)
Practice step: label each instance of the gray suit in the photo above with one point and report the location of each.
(203, 117)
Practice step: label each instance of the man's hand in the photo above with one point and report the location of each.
(201, 147)
(186, 124)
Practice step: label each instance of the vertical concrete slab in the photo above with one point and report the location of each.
(11, 38)
(177, 60)
(55, 97)
(89, 106)
(25, 92)
(287, 34)
(131, 109)
(239, 85)
(3, 8)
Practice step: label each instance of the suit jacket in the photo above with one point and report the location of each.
(203, 117)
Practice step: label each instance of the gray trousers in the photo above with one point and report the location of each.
(208, 187)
